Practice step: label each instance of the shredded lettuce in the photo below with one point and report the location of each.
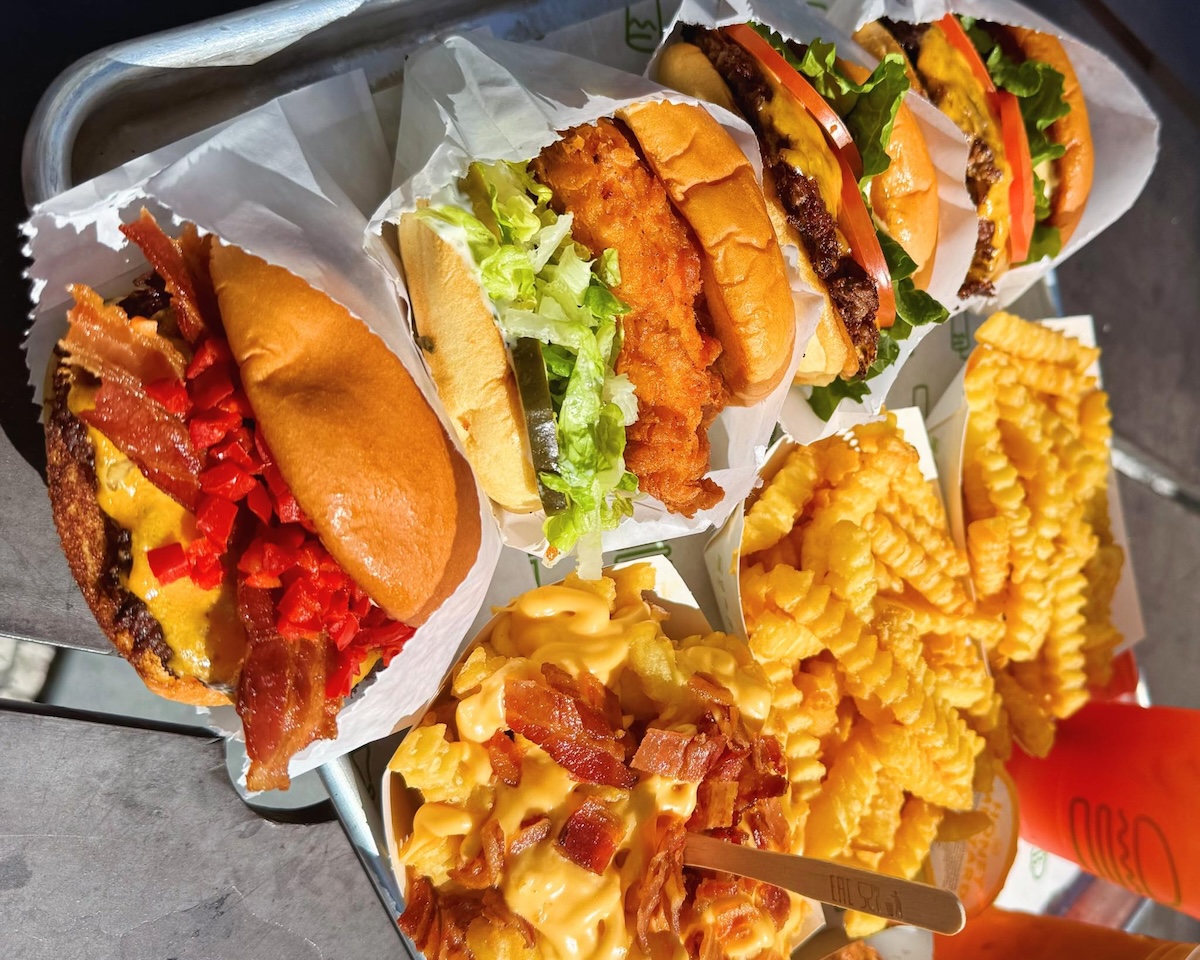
(542, 286)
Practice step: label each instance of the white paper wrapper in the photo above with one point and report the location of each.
(477, 98)
(293, 182)
(1124, 127)
(948, 428)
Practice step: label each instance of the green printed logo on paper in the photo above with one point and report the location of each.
(643, 35)
(960, 335)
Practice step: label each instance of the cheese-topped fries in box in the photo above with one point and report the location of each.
(574, 748)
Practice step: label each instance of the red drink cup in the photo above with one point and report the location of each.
(1120, 796)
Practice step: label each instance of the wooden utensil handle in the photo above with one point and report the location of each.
(903, 901)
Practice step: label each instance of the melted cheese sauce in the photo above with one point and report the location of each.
(201, 627)
(959, 95)
(577, 914)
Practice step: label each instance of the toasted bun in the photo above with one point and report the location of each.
(904, 197)
(684, 67)
(1075, 168)
(92, 544)
(365, 456)
(466, 356)
(712, 185)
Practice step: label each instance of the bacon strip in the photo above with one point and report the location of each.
(659, 897)
(102, 340)
(768, 826)
(484, 869)
(505, 758)
(714, 805)
(535, 831)
(188, 296)
(604, 706)
(708, 689)
(575, 735)
(281, 693)
(680, 756)
(157, 441)
(591, 835)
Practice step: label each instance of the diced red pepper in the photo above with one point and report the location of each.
(276, 558)
(168, 563)
(287, 508)
(260, 444)
(209, 351)
(212, 386)
(391, 634)
(342, 631)
(237, 402)
(172, 394)
(340, 681)
(291, 537)
(237, 450)
(338, 606)
(227, 480)
(215, 516)
(210, 427)
(262, 580)
(299, 603)
(259, 502)
(208, 572)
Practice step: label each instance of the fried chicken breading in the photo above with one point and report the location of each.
(618, 204)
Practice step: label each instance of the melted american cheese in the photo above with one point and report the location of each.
(576, 914)
(961, 97)
(200, 626)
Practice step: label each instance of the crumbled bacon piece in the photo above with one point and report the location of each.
(154, 439)
(194, 302)
(774, 902)
(281, 694)
(102, 341)
(591, 835)
(505, 758)
(575, 735)
(534, 830)
(680, 756)
(708, 689)
(659, 896)
(714, 805)
(767, 823)
(484, 869)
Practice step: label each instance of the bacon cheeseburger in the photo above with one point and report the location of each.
(1013, 92)
(254, 497)
(586, 315)
(849, 179)
(560, 773)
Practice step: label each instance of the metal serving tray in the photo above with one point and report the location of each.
(128, 99)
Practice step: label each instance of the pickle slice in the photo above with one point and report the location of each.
(530, 370)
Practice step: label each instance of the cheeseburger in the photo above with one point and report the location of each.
(587, 314)
(850, 182)
(1013, 92)
(252, 494)
(561, 773)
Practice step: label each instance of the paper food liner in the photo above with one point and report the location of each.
(293, 182)
(671, 593)
(722, 555)
(477, 98)
(957, 220)
(948, 428)
(1124, 127)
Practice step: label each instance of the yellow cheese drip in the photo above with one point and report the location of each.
(200, 626)
(961, 97)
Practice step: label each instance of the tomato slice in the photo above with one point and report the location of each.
(855, 222)
(835, 129)
(1016, 143)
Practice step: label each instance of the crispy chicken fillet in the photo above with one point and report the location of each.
(597, 176)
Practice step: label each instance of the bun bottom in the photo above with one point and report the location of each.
(92, 543)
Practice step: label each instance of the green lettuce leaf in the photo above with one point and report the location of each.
(1046, 242)
(542, 286)
(869, 108)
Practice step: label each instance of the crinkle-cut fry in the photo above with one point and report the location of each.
(1052, 379)
(835, 813)
(1031, 725)
(1032, 341)
(487, 940)
(836, 460)
(627, 583)
(851, 573)
(774, 513)
(988, 547)
(958, 825)
(911, 563)
(1095, 421)
(784, 553)
(935, 762)
(820, 686)
(984, 626)
(778, 636)
(480, 664)
(918, 512)
(444, 771)
(881, 819)
(960, 671)
(919, 822)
